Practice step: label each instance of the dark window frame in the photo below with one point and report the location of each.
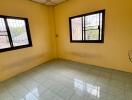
(83, 15)
(9, 34)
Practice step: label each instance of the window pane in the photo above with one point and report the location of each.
(92, 35)
(92, 24)
(77, 28)
(92, 20)
(18, 32)
(4, 42)
(2, 27)
(101, 25)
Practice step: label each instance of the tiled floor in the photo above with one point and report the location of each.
(66, 80)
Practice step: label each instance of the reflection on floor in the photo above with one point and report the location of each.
(66, 80)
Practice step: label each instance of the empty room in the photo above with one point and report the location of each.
(65, 50)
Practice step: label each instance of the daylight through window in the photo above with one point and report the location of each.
(87, 27)
(14, 33)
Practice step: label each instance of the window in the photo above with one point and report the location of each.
(88, 27)
(14, 33)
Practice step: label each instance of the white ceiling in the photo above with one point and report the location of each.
(49, 2)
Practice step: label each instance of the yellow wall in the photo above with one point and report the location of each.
(17, 61)
(113, 53)
(46, 21)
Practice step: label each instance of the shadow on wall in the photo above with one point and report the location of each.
(130, 55)
(84, 55)
(21, 66)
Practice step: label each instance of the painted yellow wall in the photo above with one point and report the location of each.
(17, 61)
(113, 53)
(46, 21)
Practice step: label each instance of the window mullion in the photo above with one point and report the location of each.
(8, 32)
(84, 28)
(99, 25)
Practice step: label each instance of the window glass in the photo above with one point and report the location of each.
(92, 27)
(18, 32)
(88, 27)
(4, 41)
(77, 28)
(14, 33)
